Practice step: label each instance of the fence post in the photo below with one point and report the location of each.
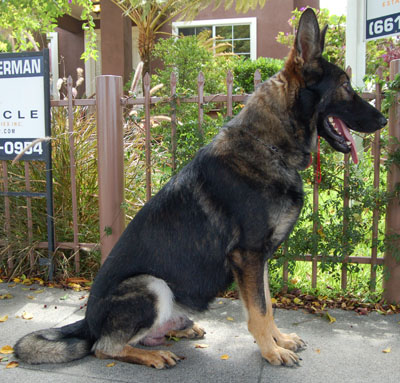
(391, 282)
(200, 90)
(173, 119)
(110, 161)
(147, 127)
(229, 89)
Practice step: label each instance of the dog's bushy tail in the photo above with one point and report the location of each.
(55, 345)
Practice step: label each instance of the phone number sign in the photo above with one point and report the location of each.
(382, 18)
(24, 104)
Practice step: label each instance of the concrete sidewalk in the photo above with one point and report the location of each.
(349, 350)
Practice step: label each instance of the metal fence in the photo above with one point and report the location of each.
(109, 91)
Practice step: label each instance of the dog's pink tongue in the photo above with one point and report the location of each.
(344, 131)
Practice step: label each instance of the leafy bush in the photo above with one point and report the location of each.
(187, 57)
(243, 70)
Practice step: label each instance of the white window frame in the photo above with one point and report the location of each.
(53, 45)
(252, 21)
(92, 67)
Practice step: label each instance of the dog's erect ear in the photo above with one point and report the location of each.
(322, 38)
(308, 42)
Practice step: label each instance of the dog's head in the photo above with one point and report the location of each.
(326, 96)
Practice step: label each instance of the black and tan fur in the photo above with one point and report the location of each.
(221, 217)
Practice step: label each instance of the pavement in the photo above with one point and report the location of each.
(348, 350)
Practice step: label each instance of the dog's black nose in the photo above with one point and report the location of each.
(382, 121)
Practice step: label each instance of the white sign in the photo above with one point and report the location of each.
(23, 104)
(382, 18)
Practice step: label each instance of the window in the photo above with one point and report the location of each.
(241, 33)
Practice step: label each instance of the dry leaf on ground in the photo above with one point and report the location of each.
(201, 345)
(6, 350)
(3, 318)
(12, 365)
(26, 316)
(225, 357)
(387, 350)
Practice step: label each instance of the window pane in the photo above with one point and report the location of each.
(225, 31)
(186, 31)
(241, 46)
(201, 29)
(241, 31)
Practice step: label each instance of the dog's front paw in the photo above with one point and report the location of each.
(160, 359)
(290, 341)
(279, 355)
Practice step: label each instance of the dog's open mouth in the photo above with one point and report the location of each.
(338, 135)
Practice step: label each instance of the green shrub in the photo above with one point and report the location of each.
(243, 70)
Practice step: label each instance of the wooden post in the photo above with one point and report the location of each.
(110, 147)
(229, 89)
(73, 175)
(391, 282)
(376, 151)
(147, 125)
(200, 90)
(257, 78)
(173, 119)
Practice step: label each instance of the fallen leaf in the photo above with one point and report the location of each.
(174, 338)
(229, 318)
(16, 280)
(26, 316)
(3, 359)
(318, 351)
(330, 318)
(112, 364)
(285, 300)
(200, 345)
(75, 286)
(6, 350)
(12, 285)
(3, 318)
(12, 365)
(30, 297)
(225, 357)
(387, 350)
(39, 291)
(1, 281)
(6, 296)
(298, 301)
(77, 280)
(64, 297)
(274, 301)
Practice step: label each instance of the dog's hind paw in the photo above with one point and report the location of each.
(281, 356)
(194, 332)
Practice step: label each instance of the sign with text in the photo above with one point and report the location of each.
(24, 104)
(382, 18)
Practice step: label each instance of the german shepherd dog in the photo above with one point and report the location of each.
(221, 218)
